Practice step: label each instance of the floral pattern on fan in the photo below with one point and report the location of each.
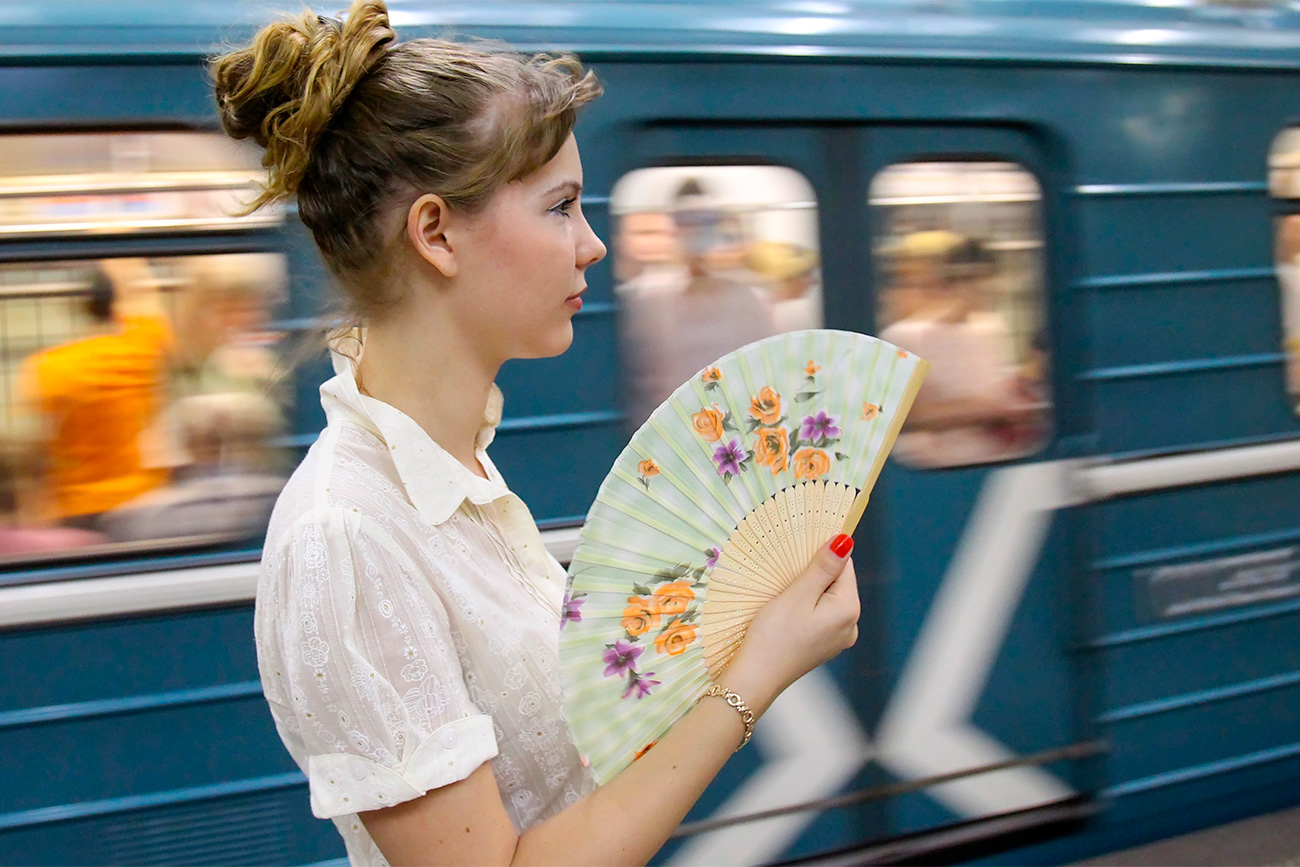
(773, 443)
(647, 470)
(668, 608)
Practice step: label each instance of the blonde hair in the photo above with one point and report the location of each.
(354, 123)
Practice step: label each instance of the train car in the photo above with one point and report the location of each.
(1079, 633)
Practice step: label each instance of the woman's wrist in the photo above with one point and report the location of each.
(751, 683)
(734, 701)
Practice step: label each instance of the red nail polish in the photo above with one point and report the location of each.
(842, 545)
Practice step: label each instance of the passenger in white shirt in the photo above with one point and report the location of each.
(969, 411)
(407, 614)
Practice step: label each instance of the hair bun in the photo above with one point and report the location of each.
(284, 88)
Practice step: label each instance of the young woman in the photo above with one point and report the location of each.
(408, 612)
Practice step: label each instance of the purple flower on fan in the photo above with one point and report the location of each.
(729, 458)
(570, 613)
(818, 427)
(639, 684)
(712, 557)
(620, 657)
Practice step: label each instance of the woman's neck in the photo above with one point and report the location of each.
(416, 363)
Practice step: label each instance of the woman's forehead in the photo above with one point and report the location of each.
(564, 167)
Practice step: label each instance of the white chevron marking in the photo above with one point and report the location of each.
(926, 727)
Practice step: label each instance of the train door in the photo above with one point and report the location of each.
(984, 691)
(960, 700)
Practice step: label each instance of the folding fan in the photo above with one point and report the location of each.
(717, 503)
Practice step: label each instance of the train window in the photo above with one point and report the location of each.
(959, 256)
(136, 402)
(707, 259)
(1284, 184)
(120, 182)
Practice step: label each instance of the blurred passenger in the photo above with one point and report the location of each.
(220, 417)
(222, 346)
(671, 334)
(1288, 275)
(970, 409)
(95, 396)
(791, 272)
(24, 527)
(228, 489)
(917, 265)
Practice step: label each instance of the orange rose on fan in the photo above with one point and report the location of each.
(772, 448)
(675, 639)
(640, 616)
(648, 468)
(812, 368)
(711, 374)
(811, 464)
(708, 423)
(870, 411)
(672, 598)
(766, 407)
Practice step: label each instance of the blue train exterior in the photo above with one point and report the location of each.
(1011, 677)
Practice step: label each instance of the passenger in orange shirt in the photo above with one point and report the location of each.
(95, 396)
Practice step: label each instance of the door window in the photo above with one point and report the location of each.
(1284, 185)
(708, 259)
(959, 259)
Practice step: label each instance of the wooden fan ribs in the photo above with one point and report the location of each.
(769, 549)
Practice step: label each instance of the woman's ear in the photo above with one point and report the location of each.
(426, 227)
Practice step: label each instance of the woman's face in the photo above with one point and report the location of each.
(523, 266)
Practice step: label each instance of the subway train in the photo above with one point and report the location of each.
(1085, 638)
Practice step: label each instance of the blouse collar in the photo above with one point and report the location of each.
(435, 481)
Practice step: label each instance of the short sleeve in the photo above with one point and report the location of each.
(360, 666)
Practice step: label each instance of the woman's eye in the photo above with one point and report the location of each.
(564, 207)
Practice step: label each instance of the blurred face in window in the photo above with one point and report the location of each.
(710, 239)
(915, 281)
(649, 238)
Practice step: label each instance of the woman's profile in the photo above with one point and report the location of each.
(408, 612)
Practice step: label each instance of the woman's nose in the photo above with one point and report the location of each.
(590, 249)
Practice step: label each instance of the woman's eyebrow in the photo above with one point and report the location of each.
(573, 188)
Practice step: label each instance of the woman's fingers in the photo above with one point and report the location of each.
(845, 585)
(826, 566)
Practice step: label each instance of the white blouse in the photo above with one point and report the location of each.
(407, 624)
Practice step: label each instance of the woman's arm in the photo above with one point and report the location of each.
(960, 412)
(630, 817)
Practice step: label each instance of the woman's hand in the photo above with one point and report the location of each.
(810, 622)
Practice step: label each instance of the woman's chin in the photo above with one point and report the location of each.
(552, 344)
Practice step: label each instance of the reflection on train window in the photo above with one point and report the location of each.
(1284, 184)
(119, 182)
(707, 259)
(137, 401)
(959, 258)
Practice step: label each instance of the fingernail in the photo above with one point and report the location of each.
(842, 545)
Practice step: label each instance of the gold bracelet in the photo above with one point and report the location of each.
(734, 700)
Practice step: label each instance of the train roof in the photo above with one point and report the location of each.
(1224, 33)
